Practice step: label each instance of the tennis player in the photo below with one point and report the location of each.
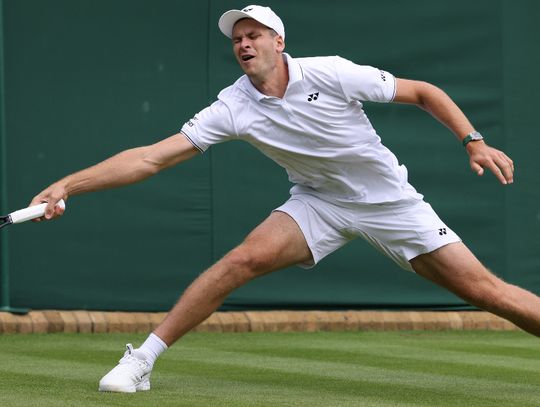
(306, 114)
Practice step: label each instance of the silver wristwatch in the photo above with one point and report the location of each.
(473, 136)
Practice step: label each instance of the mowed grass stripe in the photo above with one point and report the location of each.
(337, 391)
(515, 362)
(511, 370)
(407, 353)
(380, 369)
(253, 387)
(439, 344)
(401, 377)
(264, 386)
(28, 389)
(464, 374)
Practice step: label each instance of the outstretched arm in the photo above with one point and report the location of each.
(439, 105)
(128, 167)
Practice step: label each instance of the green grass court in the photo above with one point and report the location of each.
(395, 369)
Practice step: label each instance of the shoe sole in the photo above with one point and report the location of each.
(110, 388)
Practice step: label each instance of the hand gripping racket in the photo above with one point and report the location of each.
(22, 215)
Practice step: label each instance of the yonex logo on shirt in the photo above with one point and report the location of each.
(190, 122)
(310, 160)
(313, 96)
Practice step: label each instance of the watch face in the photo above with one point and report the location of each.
(476, 136)
(473, 136)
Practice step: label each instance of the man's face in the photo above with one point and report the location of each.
(256, 47)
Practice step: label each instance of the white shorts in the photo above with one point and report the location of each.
(401, 230)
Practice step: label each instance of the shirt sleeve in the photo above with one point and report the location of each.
(365, 83)
(210, 126)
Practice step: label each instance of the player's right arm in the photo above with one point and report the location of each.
(128, 167)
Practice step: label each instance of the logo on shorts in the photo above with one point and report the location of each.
(313, 96)
(442, 231)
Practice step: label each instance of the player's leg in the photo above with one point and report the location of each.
(454, 267)
(302, 231)
(276, 243)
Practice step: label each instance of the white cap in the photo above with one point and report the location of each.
(263, 15)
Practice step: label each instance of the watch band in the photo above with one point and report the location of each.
(473, 136)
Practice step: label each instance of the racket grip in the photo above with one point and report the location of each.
(32, 212)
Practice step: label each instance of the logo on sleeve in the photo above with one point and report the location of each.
(191, 122)
(313, 96)
(442, 231)
(383, 76)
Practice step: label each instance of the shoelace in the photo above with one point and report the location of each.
(134, 367)
(127, 362)
(132, 359)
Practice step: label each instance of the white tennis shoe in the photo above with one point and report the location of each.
(130, 375)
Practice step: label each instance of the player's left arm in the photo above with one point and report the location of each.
(442, 107)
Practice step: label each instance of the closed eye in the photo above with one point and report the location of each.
(251, 35)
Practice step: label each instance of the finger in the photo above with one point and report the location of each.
(506, 169)
(41, 218)
(505, 160)
(58, 210)
(50, 209)
(477, 168)
(509, 161)
(497, 172)
(37, 200)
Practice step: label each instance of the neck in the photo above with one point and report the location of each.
(273, 83)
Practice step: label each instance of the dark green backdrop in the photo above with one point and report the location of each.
(84, 79)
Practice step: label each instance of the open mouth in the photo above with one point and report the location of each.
(247, 57)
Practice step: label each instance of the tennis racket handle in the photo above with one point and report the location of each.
(32, 212)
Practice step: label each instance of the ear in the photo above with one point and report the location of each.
(280, 43)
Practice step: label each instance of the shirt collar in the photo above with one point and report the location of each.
(295, 75)
(295, 71)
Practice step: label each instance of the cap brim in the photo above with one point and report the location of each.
(229, 19)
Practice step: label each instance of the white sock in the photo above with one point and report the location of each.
(152, 348)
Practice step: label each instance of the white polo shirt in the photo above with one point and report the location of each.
(318, 131)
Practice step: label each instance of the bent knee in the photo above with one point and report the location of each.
(249, 262)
